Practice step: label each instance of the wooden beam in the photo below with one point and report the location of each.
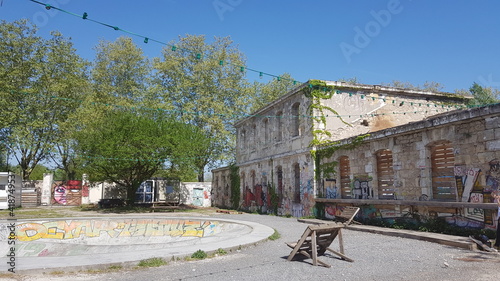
(444, 204)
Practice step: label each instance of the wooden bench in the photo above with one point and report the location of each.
(170, 205)
(316, 240)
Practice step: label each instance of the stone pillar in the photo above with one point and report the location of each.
(46, 188)
(85, 189)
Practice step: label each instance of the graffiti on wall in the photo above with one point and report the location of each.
(361, 187)
(493, 176)
(73, 229)
(469, 190)
(466, 180)
(332, 191)
(67, 193)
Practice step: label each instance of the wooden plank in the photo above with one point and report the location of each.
(437, 204)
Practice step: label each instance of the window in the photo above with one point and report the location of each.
(345, 177)
(253, 137)
(443, 174)
(252, 176)
(385, 174)
(295, 127)
(145, 192)
(279, 121)
(279, 174)
(243, 138)
(296, 192)
(266, 131)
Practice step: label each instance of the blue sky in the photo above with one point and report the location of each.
(451, 42)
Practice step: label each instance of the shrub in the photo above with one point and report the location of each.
(199, 255)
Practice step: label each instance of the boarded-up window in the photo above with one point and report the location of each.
(345, 177)
(443, 177)
(385, 174)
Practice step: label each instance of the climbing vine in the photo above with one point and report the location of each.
(324, 148)
(235, 186)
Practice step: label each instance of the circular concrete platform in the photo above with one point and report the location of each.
(83, 242)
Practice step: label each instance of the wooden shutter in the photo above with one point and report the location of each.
(385, 175)
(443, 176)
(345, 177)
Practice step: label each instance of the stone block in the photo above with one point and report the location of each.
(489, 135)
(492, 122)
(368, 168)
(493, 145)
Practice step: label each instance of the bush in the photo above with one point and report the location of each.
(199, 255)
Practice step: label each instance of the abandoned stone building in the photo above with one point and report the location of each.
(392, 151)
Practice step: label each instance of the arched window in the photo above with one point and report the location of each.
(243, 138)
(279, 175)
(345, 177)
(443, 174)
(279, 126)
(296, 186)
(253, 137)
(266, 131)
(385, 175)
(252, 178)
(295, 126)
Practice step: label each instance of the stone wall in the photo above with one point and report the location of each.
(274, 144)
(473, 136)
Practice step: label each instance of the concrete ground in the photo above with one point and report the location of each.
(378, 254)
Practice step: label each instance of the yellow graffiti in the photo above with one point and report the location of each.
(63, 230)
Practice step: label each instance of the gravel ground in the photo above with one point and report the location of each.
(376, 257)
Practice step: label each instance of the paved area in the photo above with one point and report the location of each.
(376, 257)
(91, 241)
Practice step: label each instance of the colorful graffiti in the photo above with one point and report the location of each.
(493, 176)
(332, 191)
(73, 229)
(60, 194)
(67, 193)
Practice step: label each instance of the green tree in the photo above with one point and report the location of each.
(205, 84)
(127, 147)
(120, 73)
(21, 54)
(264, 93)
(39, 87)
(65, 75)
(483, 95)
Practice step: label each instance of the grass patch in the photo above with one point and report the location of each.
(199, 255)
(38, 212)
(56, 272)
(153, 262)
(221, 252)
(115, 267)
(275, 236)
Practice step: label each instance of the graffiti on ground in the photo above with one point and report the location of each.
(73, 229)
